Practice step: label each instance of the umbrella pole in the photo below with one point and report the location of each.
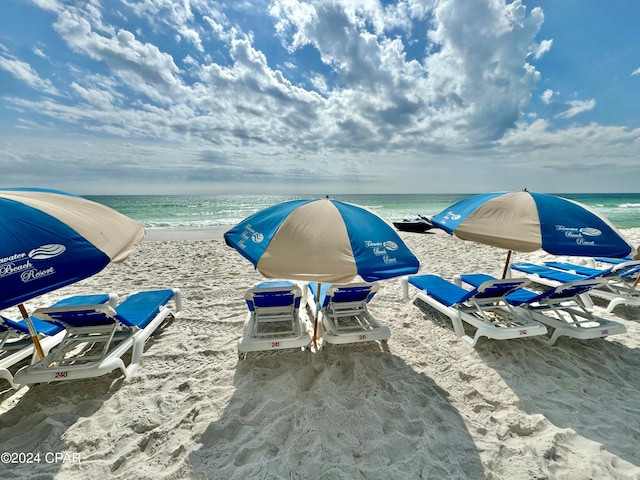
(32, 331)
(635, 284)
(315, 320)
(506, 265)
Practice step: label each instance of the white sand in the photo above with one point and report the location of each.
(432, 407)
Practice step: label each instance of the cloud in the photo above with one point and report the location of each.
(541, 49)
(471, 83)
(25, 73)
(547, 95)
(576, 107)
(477, 81)
(289, 94)
(567, 109)
(636, 72)
(139, 65)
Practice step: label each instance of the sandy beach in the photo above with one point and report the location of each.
(429, 408)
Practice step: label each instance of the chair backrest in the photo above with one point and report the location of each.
(573, 289)
(357, 292)
(8, 325)
(626, 269)
(588, 272)
(20, 327)
(78, 316)
(623, 269)
(272, 297)
(137, 310)
(491, 289)
(48, 328)
(563, 292)
(515, 297)
(546, 272)
(613, 261)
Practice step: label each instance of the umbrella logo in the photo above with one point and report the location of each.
(451, 216)
(391, 245)
(590, 232)
(257, 237)
(46, 252)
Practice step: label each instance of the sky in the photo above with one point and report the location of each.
(333, 96)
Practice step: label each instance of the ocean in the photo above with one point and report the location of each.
(204, 211)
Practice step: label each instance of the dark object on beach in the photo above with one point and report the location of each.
(419, 224)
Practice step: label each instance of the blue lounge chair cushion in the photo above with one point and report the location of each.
(523, 296)
(516, 297)
(273, 298)
(442, 290)
(451, 294)
(623, 271)
(579, 269)
(90, 299)
(48, 328)
(613, 260)
(546, 272)
(345, 293)
(281, 298)
(275, 283)
(41, 327)
(140, 308)
(137, 310)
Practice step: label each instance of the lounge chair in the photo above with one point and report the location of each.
(343, 315)
(559, 308)
(619, 288)
(484, 307)
(98, 336)
(15, 340)
(627, 270)
(608, 260)
(273, 321)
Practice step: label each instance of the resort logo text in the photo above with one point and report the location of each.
(382, 249)
(27, 265)
(579, 233)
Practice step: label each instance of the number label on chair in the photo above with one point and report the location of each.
(523, 332)
(61, 374)
(275, 344)
(362, 338)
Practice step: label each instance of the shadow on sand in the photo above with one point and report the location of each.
(347, 412)
(40, 417)
(36, 425)
(588, 386)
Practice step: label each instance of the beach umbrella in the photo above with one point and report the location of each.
(321, 240)
(525, 221)
(52, 239)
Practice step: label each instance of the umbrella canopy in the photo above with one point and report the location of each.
(52, 239)
(321, 240)
(526, 221)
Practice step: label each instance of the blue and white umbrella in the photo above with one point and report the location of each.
(51, 239)
(321, 240)
(526, 221)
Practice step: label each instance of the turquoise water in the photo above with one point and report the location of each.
(202, 211)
